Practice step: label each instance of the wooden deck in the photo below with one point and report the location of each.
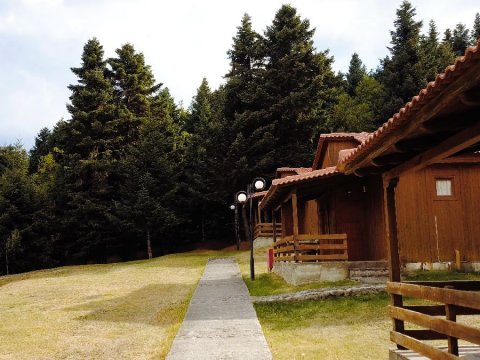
(311, 247)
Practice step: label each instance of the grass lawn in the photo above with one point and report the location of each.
(342, 328)
(115, 311)
(133, 311)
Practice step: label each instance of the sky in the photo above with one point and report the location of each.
(182, 40)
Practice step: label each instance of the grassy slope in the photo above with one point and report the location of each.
(133, 311)
(123, 311)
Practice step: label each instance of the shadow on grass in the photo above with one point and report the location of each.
(152, 305)
(180, 261)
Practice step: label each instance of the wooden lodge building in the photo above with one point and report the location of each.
(335, 211)
(429, 136)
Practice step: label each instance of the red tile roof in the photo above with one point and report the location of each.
(299, 170)
(296, 179)
(452, 72)
(259, 194)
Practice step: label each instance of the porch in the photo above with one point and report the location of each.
(265, 229)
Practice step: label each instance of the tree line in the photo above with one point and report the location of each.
(131, 174)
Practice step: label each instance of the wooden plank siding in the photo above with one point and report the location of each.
(443, 225)
(330, 158)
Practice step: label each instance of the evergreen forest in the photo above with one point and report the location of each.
(132, 174)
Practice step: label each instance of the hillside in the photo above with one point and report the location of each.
(122, 311)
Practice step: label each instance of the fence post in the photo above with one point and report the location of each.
(295, 223)
(452, 316)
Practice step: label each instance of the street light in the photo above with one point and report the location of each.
(240, 198)
(258, 184)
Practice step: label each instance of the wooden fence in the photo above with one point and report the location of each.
(266, 230)
(311, 247)
(450, 298)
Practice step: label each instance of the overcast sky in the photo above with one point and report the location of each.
(182, 40)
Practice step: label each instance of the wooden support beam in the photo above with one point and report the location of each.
(295, 220)
(392, 243)
(274, 222)
(450, 146)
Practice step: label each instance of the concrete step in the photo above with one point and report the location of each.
(369, 276)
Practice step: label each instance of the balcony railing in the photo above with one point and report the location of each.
(452, 298)
(266, 230)
(311, 247)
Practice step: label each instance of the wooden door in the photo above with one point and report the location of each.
(350, 219)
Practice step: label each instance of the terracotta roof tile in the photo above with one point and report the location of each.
(298, 170)
(411, 108)
(259, 194)
(295, 179)
(305, 176)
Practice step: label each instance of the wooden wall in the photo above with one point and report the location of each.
(287, 219)
(331, 153)
(308, 222)
(430, 229)
(376, 234)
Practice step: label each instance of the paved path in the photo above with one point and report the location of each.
(220, 322)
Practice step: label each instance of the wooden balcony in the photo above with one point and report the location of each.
(311, 248)
(446, 299)
(266, 230)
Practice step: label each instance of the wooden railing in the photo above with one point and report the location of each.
(311, 247)
(455, 298)
(266, 230)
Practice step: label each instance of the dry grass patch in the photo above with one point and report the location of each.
(116, 311)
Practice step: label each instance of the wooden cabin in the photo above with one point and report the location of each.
(438, 126)
(325, 214)
(329, 202)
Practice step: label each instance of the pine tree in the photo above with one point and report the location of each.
(295, 88)
(460, 39)
(89, 154)
(41, 148)
(436, 56)
(475, 33)
(245, 63)
(148, 207)
(402, 75)
(134, 86)
(447, 36)
(204, 156)
(356, 72)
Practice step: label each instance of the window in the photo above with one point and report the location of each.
(444, 187)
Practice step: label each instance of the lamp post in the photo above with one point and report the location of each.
(258, 184)
(234, 206)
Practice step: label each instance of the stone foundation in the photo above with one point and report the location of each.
(442, 266)
(303, 273)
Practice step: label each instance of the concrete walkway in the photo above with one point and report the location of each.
(220, 322)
